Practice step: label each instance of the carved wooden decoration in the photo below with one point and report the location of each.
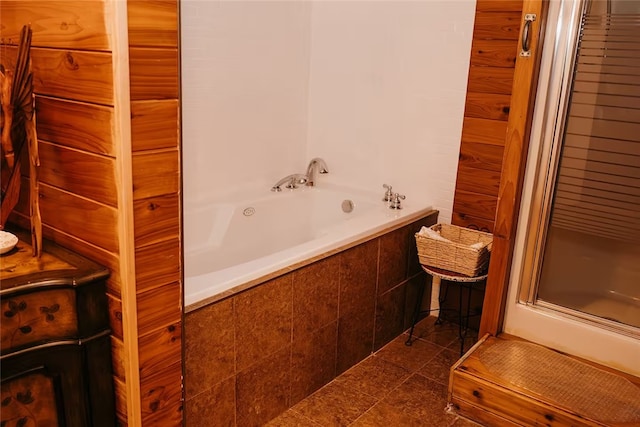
(19, 129)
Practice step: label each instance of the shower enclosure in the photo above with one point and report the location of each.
(576, 281)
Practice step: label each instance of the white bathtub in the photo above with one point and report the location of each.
(233, 244)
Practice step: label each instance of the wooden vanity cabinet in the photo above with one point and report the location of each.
(55, 357)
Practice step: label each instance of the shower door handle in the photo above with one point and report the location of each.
(526, 34)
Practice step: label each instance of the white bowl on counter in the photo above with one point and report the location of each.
(7, 241)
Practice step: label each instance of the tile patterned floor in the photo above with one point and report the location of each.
(396, 386)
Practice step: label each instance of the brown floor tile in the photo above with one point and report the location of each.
(439, 367)
(423, 399)
(263, 390)
(469, 341)
(443, 334)
(411, 357)
(335, 405)
(313, 361)
(374, 376)
(425, 325)
(263, 321)
(209, 347)
(291, 418)
(215, 406)
(383, 414)
(315, 295)
(452, 302)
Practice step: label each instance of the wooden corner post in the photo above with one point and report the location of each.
(513, 164)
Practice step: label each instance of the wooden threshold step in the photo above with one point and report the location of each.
(507, 381)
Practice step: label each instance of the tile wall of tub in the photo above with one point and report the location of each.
(252, 356)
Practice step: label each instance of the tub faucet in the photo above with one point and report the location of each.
(292, 181)
(316, 165)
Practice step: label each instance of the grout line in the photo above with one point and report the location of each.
(375, 354)
(364, 413)
(303, 415)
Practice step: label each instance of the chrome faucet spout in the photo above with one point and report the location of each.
(316, 165)
(292, 181)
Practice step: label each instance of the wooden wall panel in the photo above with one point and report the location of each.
(485, 131)
(115, 316)
(161, 390)
(155, 131)
(159, 308)
(66, 24)
(155, 174)
(481, 155)
(157, 219)
(80, 125)
(153, 23)
(493, 53)
(475, 204)
(488, 80)
(85, 174)
(154, 73)
(71, 74)
(118, 358)
(121, 400)
(82, 146)
(83, 218)
(487, 109)
(476, 180)
(158, 264)
(494, 106)
(160, 349)
(155, 124)
(501, 25)
(169, 416)
(473, 222)
(498, 6)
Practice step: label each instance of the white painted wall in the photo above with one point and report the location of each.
(377, 89)
(387, 91)
(245, 70)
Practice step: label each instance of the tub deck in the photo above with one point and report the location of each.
(509, 381)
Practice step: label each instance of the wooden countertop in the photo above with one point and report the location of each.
(19, 269)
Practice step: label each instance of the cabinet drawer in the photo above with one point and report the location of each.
(42, 316)
(30, 400)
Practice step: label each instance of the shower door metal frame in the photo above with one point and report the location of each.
(546, 167)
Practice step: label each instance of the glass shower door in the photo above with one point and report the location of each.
(590, 259)
(575, 278)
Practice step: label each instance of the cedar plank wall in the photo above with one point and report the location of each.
(493, 53)
(72, 62)
(75, 117)
(154, 77)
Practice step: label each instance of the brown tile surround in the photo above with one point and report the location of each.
(253, 355)
(395, 386)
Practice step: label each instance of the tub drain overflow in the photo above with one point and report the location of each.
(347, 206)
(248, 211)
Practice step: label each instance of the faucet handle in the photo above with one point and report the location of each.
(296, 180)
(396, 202)
(388, 194)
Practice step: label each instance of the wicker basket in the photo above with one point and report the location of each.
(455, 255)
